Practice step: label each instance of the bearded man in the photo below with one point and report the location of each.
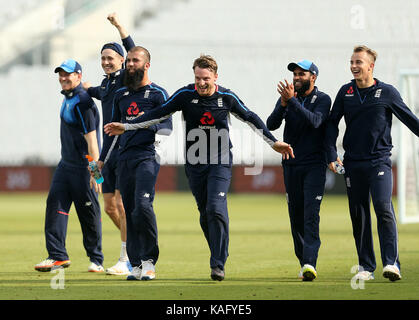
(305, 110)
(137, 164)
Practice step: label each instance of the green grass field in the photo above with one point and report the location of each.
(261, 265)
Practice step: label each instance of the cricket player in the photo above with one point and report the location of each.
(112, 57)
(305, 110)
(368, 105)
(72, 182)
(138, 168)
(206, 107)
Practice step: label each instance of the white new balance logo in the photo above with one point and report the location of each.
(194, 101)
(146, 195)
(221, 194)
(319, 198)
(381, 173)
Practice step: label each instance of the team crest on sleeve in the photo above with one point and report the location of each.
(377, 93)
(350, 92)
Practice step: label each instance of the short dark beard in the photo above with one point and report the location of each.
(304, 87)
(133, 80)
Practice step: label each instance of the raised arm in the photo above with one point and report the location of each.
(114, 20)
(127, 41)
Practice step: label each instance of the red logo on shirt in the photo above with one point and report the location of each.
(133, 109)
(350, 90)
(207, 118)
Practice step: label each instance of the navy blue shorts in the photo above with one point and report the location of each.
(110, 174)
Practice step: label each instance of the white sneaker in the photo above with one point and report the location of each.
(364, 275)
(391, 272)
(135, 274)
(95, 268)
(120, 269)
(49, 264)
(309, 272)
(148, 270)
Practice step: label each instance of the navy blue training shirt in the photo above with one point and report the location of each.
(79, 116)
(205, 113)
(368, 117)
(305, 119)
(126, 107)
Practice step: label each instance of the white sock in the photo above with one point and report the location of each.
(123, 255)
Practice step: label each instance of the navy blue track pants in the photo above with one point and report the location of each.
(72, 185)
(209, 185)
(137, 180)
(304, 185)
(366, 180)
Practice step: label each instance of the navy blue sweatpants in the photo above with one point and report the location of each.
(304, 185)
(137, 180)
(366, 180)
(209, 185)
(72, 185)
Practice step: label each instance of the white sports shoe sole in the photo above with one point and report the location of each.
(119, 269)
(392, 273)
(95, 268)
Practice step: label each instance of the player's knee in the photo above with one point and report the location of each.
(143, 206)
(384, 211)
(383, 207)
(217, 211)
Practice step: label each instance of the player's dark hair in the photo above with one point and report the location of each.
(206, 62)
(142, 49)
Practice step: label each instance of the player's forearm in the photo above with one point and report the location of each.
(144, 124)
(253, 120)
(405, 115)
(92, 144)
(122, 31)
(274, 121)
(316, 118)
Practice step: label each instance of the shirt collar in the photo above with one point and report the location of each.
(72, 93)
(312, 93)
(114, 74)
